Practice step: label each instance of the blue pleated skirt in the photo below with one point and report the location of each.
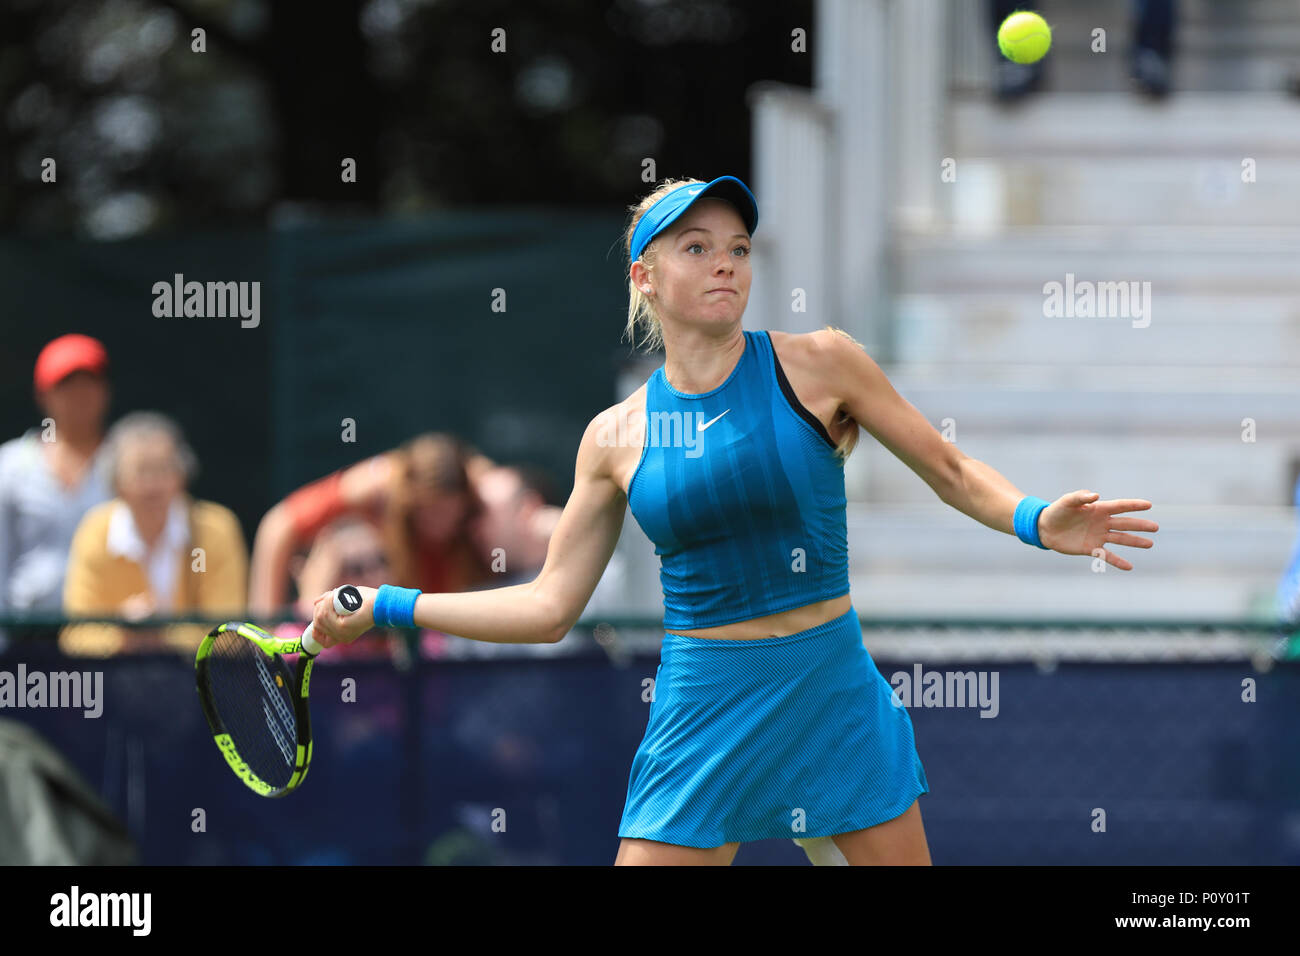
(797, 736)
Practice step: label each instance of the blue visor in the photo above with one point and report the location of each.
(668, 209)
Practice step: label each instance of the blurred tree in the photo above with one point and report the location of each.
(149, 134)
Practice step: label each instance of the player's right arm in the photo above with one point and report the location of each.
(545, 609)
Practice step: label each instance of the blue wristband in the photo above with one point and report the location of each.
(395, 607)
(1026, 520)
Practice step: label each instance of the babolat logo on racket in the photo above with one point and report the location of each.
(242, 770)
(350, 598)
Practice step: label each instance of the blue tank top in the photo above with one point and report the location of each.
(742, 494)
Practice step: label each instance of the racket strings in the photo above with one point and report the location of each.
(282, 719)
(255, 709)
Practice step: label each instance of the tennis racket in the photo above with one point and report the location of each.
(255, 705)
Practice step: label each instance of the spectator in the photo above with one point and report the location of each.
(520, 512)
(1150, 57)
(348, 551)
(152, 551)
(514, 529)
(513, 533)
(52, 475)
(418, 495)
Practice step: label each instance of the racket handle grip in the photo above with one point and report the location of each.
(347, 600)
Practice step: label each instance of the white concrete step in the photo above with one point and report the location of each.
(1205, 190)
(1209, 160)
(1178, 260)
(1113, 596)
(1017, 373)
(1206, 412)
(1255, 58)
(1076, 125)
(1134, 322)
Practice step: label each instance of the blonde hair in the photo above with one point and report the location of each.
(641, 310)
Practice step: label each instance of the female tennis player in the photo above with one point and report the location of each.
(769, 717)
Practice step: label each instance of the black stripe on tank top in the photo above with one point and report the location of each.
(793, 399)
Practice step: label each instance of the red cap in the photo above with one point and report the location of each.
(68, 354)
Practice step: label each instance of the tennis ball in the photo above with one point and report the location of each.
(1024, 37)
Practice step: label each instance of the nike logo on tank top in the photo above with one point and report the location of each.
(747, 513)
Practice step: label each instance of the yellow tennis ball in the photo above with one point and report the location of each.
(1024, 37)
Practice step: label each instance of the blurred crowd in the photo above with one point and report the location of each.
(97, 523)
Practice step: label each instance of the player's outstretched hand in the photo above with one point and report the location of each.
(329, 628)
(1078, 523)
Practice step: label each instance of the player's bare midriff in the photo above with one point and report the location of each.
(809, 391)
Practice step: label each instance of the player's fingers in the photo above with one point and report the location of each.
(1132, 540)
(324, 624)
(1117, 505)
(321, 638)
(1116, 560)
(1133, 524)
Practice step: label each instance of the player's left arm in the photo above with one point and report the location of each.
(1076, 523)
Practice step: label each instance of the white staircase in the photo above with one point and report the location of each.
(1195, 406)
